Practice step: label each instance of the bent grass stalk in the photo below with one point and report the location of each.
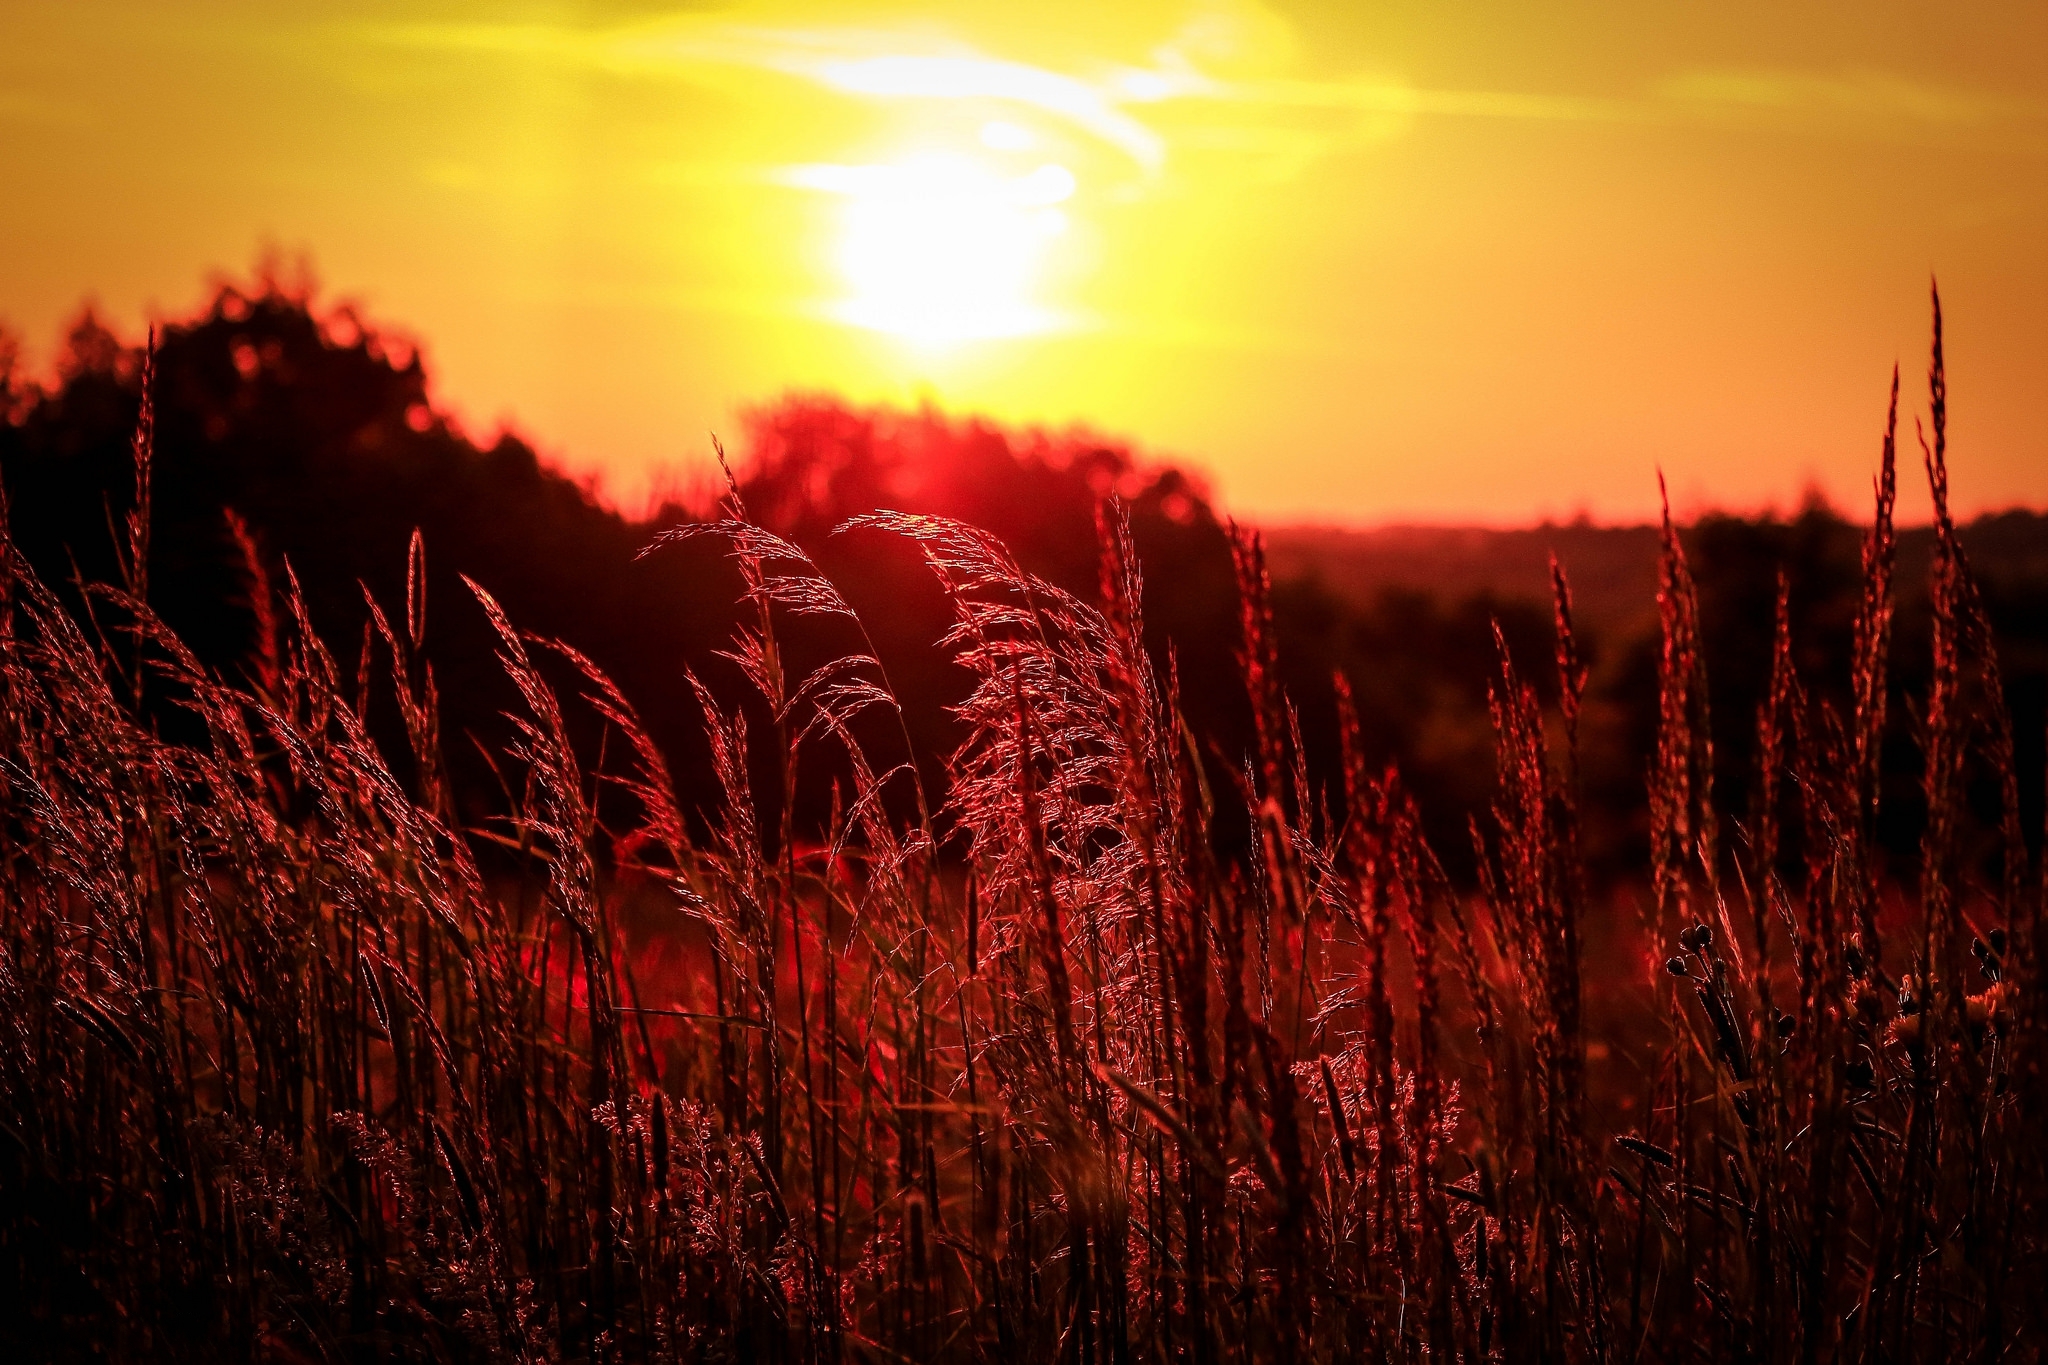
(298, 1066)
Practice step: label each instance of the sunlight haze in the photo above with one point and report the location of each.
(1358, 262)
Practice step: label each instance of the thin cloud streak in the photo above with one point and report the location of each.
(1875, 99)
(959, 78)
(881, 64)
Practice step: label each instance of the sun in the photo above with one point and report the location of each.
(940, 248)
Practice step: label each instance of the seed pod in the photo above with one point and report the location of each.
(1344, 1147)
(1646, 1149)
(660, 1126)
(374, 988)
(466, 1205)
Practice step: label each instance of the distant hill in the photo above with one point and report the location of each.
(1613, 569)
(1377, 574)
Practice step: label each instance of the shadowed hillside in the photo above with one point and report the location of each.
(1379, 574)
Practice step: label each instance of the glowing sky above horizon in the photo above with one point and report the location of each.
(1359, 262)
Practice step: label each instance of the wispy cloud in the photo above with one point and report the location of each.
(1086, 106)
(1877, 100)
(1860, 101)
(866, 63)
(1124, 106)
(1107, 103)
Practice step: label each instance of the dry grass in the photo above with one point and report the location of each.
(296, 1067)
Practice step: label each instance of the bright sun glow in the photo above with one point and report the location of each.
(943, 248)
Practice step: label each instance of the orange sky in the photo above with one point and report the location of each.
(1361, 261)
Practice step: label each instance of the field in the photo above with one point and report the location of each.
(1101, 1039)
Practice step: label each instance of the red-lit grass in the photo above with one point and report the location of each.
(296, 1066)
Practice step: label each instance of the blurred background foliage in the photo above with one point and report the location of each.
(315, 431)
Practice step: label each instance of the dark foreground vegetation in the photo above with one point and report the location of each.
(1102, 1017)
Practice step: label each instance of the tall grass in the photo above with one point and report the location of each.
(298, 1066)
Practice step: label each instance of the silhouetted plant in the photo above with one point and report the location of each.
(1116, 1045)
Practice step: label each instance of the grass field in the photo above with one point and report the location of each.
(1119, 1047)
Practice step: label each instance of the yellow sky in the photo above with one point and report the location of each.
(1360, 261)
